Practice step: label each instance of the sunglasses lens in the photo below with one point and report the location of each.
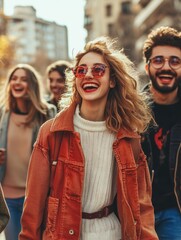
(157, 62)
(80, 71)
(98, 71)
(175, 62)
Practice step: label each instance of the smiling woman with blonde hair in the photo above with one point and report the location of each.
(97, 184)
(22, 111)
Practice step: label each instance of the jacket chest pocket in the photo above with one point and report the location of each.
(67, 179)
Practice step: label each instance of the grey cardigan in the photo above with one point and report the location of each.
(4, 121)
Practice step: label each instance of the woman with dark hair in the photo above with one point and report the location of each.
(56, 80)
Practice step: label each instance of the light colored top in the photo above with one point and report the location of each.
(18, 154)
(99, 180)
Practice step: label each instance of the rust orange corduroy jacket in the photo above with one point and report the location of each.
(64, 209)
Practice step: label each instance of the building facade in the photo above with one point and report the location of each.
(36, 38)
(130, 21)
(1, 5)
(100, 17)
(154, 14)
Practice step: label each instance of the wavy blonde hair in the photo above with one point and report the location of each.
(37, 107)
(126, 107)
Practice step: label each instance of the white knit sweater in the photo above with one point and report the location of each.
(100, 179)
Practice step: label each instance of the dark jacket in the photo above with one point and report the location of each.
(174, 155)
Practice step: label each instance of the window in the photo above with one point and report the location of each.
(108, 10)
(110, 29)
(126, 7)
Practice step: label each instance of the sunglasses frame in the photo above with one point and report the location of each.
(150, 61)
(85, 68)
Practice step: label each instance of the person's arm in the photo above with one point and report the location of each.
(146, 208)
(2, 155)
(4, 212)
(36, 191)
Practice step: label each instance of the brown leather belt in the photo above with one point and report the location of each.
(99, 214)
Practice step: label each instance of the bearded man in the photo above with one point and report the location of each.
(162, 144)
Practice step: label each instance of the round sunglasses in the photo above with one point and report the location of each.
(159, 61)
(98, 70)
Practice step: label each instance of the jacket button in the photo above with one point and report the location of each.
(71, 232)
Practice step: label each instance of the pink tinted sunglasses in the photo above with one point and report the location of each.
(98, 70)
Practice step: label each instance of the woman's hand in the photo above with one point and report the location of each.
(2, 155)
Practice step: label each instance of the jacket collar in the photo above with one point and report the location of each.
(127, 134)
(64, 122)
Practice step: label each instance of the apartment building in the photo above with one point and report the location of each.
(114, 19)
(154, 14)
(100, 17)
(3, 18)
(130, 21)
(36, 38)
(1, 5)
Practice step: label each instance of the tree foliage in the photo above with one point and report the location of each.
(7, 54)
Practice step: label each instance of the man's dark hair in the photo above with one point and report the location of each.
(163, 36)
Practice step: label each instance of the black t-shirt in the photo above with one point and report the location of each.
(166, 117)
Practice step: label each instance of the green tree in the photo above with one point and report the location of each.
(7, 54)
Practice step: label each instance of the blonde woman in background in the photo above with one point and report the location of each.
(22, 111)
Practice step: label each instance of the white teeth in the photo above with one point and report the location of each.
(89, 85)
(166, 76)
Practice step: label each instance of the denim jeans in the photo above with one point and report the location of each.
(13, 228)
(168, 224)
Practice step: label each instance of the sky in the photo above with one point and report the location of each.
(63, 12)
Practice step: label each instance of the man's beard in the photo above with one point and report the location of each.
(165, 89)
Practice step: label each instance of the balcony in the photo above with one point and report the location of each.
(146, 13)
